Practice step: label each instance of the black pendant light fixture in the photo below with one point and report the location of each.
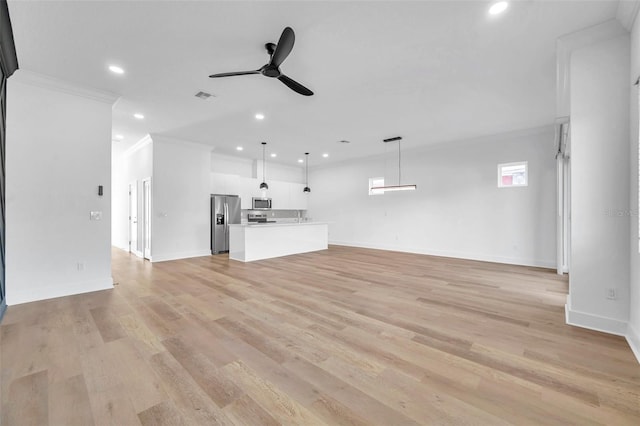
(264, 185)
(399, 186)
(306, 173)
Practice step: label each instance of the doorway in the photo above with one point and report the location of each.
(133, 219)
(563, 173)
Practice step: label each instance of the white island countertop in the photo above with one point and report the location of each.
(248, 242)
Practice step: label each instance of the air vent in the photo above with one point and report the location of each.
(203, 95)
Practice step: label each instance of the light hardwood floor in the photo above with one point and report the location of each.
(344, 336)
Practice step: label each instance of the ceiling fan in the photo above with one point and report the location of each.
(278, 53)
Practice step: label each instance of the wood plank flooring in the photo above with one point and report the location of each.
(345, 336)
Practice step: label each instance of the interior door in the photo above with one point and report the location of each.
(146, 208)
(133, 217)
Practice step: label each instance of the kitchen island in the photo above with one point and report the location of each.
(248, 242)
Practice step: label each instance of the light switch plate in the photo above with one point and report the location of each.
(96, 216)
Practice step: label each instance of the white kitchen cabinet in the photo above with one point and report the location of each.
(279, 194)
(244, 192)
(297, 198)
(284, 195)
(220, 183)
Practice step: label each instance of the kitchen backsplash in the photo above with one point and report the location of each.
(283, 216)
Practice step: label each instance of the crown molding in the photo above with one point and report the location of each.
(177, 141)
(52, 83)
(627, 13)
(138, 146)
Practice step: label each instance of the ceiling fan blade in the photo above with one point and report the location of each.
(295, 86)
(229, 74)
(283, 48)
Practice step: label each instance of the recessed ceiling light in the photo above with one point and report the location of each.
(118, 137)
(325, 155)
(138, 116)
(239, 148)
(300, 160)
(273, 155)
(259, 116)
(116, 69)
(498, 7)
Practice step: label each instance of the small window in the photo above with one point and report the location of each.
(512, 174)
(376, 182)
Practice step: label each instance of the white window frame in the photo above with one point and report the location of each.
(516, 163)
(376, 181)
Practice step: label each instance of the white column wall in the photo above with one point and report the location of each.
(180, 198)
(600, 186)
(58, 152)
(633, 327)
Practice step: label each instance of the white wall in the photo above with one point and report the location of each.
(457, 210)
(129, 166)
(119, 198)
(600, 184)
(232, 165)
(58, 152)
(180, 198)
(633, 329)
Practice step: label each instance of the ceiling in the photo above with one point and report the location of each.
(428, 71)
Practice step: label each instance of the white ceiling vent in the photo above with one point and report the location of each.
(204, 95)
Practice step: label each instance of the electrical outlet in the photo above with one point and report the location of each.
(611, 294)
(80, 266)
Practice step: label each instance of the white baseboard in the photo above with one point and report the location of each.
(595, 322)
(458, 255)
(633, 338)
(176, 256)
(57, 290)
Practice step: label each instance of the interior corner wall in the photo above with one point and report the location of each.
(457, 210)
(633, 327)
(180, 200)
(600, 225)
(58, 152)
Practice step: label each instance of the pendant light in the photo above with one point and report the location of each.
(306, 173)
(264, 185)
(399, 186)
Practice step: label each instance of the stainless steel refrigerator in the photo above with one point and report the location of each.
(225, 211)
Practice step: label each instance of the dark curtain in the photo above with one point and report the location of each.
(8, 64)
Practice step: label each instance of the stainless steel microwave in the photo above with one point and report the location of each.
(261, 203)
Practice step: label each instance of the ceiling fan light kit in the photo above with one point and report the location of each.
(277, 53)
(399, 186)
